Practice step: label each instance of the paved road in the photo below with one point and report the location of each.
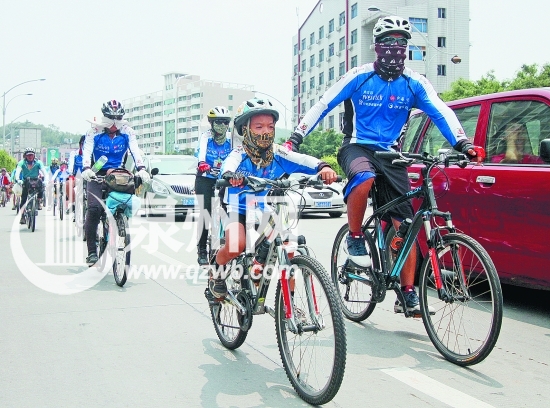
(152, 344)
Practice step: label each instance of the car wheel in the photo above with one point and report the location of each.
(335, 214)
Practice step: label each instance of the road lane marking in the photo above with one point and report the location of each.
(435, 389)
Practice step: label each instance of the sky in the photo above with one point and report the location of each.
(91, 51)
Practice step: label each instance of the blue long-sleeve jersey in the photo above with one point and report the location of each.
(212, 153)
(284, 161)
(376, 109)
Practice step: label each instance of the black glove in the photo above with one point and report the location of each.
(463, 146)
(296, 139)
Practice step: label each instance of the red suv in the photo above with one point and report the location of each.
(504, 203)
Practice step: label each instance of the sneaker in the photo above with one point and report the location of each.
(412, 302)
(23, 220)
(357, 252)
(203, 257)
(218, 288)
(92, 259)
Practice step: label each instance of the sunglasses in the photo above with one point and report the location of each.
(221, 121)
(392, 41)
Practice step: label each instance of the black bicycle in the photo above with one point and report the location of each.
(309, 327)
(31, 208)
(118, 248)
(459, 289)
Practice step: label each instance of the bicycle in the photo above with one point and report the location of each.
(120, 248)
(59, 199)
(31, 206)
(308, 320)
(457, 282)
(3, 196)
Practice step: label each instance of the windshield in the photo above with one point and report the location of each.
(176, 165)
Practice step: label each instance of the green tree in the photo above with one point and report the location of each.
(528, 76)
(51, 135)
(7, 161)
(321, 143)
(332, 162)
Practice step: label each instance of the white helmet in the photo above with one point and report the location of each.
(218, 112)
(391, 25)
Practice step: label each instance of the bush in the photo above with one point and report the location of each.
(332, 162)
(7, 161)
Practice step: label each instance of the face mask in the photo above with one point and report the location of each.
(219, 133)
(258, 147)
(390, 60)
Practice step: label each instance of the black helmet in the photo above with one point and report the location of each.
(113, 110)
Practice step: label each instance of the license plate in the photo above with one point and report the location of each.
(322, 204)
(188, 201)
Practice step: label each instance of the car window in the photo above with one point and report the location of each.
(515, 131)
(413, 128)
(175, 165)
(433, 139)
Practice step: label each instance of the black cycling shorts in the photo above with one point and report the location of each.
(392, 180)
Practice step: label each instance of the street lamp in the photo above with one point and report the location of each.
(11, 138)
(455, 59)
(4, 106)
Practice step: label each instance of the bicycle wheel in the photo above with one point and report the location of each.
(355, 296)
(122, 257)
(61, 207)
(101, 241)
(314, 358)
(33, 215)
(227, 318)
(17, 205)
(54, 202)
(465, 328)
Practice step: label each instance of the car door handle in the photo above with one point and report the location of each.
(485, 179)
(414, 176)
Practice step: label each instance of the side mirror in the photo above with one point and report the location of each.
(544, 151)
(155, 171)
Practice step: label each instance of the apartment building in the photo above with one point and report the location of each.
(173, 119)
(337, 36)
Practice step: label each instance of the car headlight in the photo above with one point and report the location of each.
(159, 188)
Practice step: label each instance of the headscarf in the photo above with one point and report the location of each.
(259, 147)
(390, 60)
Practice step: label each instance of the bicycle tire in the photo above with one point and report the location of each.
(226, 316)
(33, 215)
(359, 305)
(122, 257)
(466, 330)
(101, 242)
(17, 205)
(54, 204)
(61, 207)
(314, 381)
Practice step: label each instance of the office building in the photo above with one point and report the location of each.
(173, 119)
(337, 36)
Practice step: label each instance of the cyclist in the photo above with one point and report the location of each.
(61, 176)
(112, 137)
(75, 168)
(258, 156)
(213, 149)
(29, 167)
(53, 169)
(13, 181)
(5, 182)
(377, 100)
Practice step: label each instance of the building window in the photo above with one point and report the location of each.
(354, 10)
(303, 65)
(312, 61)
(311, 82)
(354, 36)
(303, 47)
(295, 69)
(341, 69)
(296, 90)
(331, 73)
(342, 44)
(416, 53)
(303, 88)
(342, 18)
(311, 103)
(331, 26)
(322, 55)
(354, 61)
(158, 103)
(442, 42)
(230, 97)
(295, 49)
(303, 107)
(441, 13)
(321, 78)
(321, 32)
(230, 107)
(442, 70)
(331, 122)
(420, 24)
(331, 50)
(311, 38)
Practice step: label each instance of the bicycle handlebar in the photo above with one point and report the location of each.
(259, 183)
(444, 158)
